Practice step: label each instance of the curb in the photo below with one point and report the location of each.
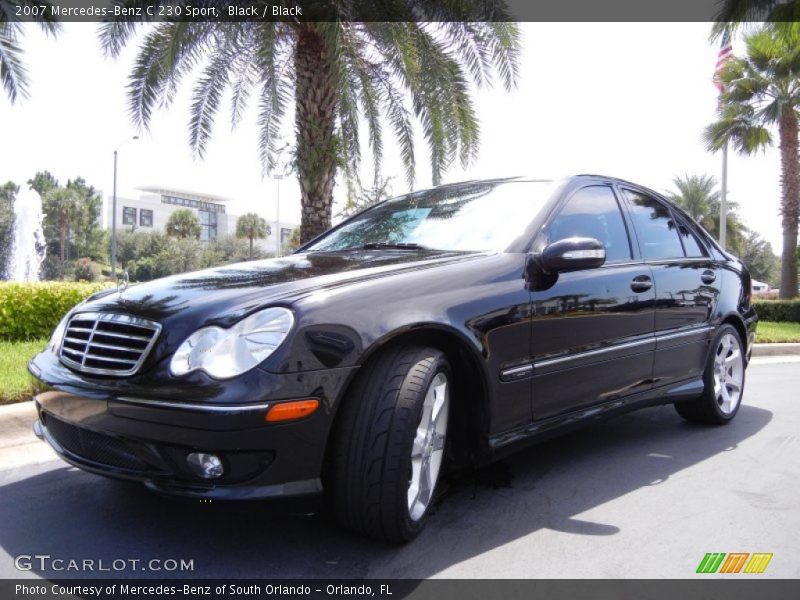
(776, 349)
(17, 423)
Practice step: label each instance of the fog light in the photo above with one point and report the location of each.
(207, 466)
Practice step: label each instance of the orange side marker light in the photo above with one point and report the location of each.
(291, 411)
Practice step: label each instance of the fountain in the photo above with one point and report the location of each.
(27, 242)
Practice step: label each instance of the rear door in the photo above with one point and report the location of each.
(687, 286)
(592, 330)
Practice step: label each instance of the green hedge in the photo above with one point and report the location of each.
(32, 310)
(778, 310)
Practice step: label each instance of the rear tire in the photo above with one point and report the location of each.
(723, 377)
(388, 447)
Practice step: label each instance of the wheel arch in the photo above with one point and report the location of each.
(737, 322)
(470, 389)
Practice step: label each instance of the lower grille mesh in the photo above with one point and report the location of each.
(93, 446)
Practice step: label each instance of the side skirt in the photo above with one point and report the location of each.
(508, 442)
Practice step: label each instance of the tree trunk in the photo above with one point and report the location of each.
(63, 241)
(316, 98)
(790, 202)
(251, 248)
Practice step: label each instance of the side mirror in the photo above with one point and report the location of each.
(573, 254)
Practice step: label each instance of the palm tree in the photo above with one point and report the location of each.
(733, 14)
(8, 192)
(63, 208)
(763, 90)
(251, 226)
(183, 223)
(13, 74)
(698, 196)
(332, 74)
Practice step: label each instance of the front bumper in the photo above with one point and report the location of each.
(147, 439)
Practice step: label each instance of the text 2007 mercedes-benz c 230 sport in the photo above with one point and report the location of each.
(445, 326)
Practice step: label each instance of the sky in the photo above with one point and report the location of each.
(628, 100)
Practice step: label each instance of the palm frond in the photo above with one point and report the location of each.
(206, 99)
(243, 73)
(13, 74)
(274, 65)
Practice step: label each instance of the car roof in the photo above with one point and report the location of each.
(540, 179)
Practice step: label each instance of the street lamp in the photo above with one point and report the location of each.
(114, 210)
(277, 179)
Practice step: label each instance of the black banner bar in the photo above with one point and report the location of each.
(733, 588)
(393, 10)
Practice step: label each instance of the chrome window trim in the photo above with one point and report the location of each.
(112, 318)
(686, 259)
(194, 407)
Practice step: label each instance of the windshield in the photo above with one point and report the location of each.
(476, 216)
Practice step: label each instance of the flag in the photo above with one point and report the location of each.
(725, 54)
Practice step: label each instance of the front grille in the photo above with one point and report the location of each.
(107, 344)
(96, 447)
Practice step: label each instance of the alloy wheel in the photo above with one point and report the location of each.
(427, 451)
(728, 373)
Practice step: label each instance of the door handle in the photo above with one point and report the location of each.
(641, 283)
(708, 277)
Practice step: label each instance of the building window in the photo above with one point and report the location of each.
(128, 215)
(198, 204)
(208, 225)
(145, 217)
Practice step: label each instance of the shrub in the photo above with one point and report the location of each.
(232, 250)
(778, 310)
(55, 270)
(148, 256)
(86, 270)
(135, 245)
(32, 310)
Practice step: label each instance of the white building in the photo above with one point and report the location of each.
(151, 211)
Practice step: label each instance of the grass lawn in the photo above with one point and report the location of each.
(15, 384)
(772, 331)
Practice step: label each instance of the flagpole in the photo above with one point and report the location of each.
(723, 200)
(725, 54)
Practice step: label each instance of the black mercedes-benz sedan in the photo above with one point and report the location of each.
(443, 327)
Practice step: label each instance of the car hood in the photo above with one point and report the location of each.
(223, 295)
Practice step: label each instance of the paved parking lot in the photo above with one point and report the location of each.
(645, 495)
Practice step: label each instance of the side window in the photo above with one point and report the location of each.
(658, 232)
(593, 212)
(690, 243)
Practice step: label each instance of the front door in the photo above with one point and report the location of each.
(592, 330)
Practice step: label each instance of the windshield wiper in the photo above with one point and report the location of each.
(397, 246)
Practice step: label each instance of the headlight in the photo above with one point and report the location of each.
(58, 335)
(226, 353)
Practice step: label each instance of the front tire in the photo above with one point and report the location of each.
(388, 447)
(724, 382)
